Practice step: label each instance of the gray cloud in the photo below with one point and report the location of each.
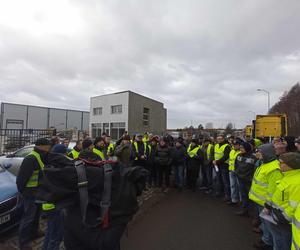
(203, 59)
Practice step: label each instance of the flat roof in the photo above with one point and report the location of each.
(127, 91)
(35, 106)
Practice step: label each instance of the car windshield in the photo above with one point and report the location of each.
(23, 152)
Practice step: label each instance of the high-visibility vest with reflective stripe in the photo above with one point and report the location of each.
(137, 148)
(34, 179)
(232, 156)
(296, 230)
(74, 153)
(193, 152)
(99, 153)
(219, 152)
(287, 194)
(110, 147)
(259, 187)
(208, 151)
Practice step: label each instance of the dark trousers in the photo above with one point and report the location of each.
(152, 178)
(55, 230)
(29, 224)
(163, 174)
(206, 172)
(218, 186)
(226, 182)
(80, 237)
(244, 188)
(192, 176)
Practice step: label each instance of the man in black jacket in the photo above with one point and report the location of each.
(27, 184)
(179, 156)
(163, 161)
(244, 169)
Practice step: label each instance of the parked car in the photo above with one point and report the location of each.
(10, 203)
(12, 162)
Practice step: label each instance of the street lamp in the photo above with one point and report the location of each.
(268, 93)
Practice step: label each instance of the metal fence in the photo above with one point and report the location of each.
(13, 139)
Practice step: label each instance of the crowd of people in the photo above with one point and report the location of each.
(260, 178)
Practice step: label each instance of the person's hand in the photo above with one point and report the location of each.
(214, 162)
(267, 211)
(143, 157)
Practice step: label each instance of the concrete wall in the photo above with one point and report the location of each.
(105, 102)
(17, 116)
(158, 115)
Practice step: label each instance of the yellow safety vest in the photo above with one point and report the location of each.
(287, 194)
(296, 230)
(219, 152)
(208, 151)
(259, 187)
(99, 153)
(232, 156)
(193, 152)
(137, 148)
(74, 153)
(34, 179)
(110, 147)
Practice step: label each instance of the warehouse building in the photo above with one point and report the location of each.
(126, 111)
(18, 116)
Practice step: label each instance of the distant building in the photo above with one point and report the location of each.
(126, 111)
(18, 116)
(209, 125)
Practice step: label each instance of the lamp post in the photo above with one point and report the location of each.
(268, 93)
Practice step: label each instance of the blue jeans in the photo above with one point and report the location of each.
(29, 223)
(55, 230)
(234, 187)
(266, 234)
(282, 236)
(244, 187)
(179, 175)
(226, 183)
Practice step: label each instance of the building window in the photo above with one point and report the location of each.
(146, 116)
(97, 111)
(116, 109)
(96, 129)
(117, 129)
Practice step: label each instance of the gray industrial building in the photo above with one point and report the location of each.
(18, 116)
(126, 111)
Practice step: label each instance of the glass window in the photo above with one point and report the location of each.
(146, 116)
(97, 111)
(116, 109)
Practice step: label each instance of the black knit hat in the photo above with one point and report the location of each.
(97, 139)
(291, 159)
(247, 146)
(86, 143)
(42, 142)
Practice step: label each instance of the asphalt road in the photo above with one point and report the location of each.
(190, 221)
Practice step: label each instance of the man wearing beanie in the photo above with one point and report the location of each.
(99, 148)
(124, 151)
(244, 169)
(285, 200)
(87, 151)
(27, 183)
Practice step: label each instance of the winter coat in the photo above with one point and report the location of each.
(179, 155)
(163, 156)
(244, 166)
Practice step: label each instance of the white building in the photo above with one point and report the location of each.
(126, 111)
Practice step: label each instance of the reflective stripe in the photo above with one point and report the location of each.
(260, 183)
(296, 223)
(99, 153)
(293, 204)
(137, 148)
(258, 196)
(295, 245)
(283, 212)
(48, 206)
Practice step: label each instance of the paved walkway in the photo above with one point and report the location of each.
(190, 221)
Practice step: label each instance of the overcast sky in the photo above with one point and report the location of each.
(204, 59)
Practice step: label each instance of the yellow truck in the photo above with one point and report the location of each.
(271, 125)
